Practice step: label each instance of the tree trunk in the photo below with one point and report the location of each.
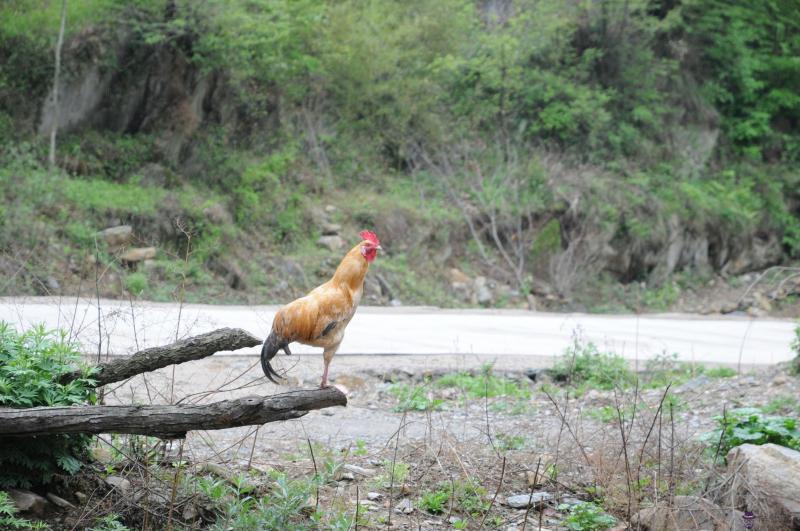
(167, 422)
(193, 348)
(56, 111)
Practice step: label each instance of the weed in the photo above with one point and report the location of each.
(750, 425)
(720, 372)
(9, 521)
(586, 516)
(583, 365)
(605, 414)
(414, 398)
(435, 501)
(109, 522)
(399, 471)
(484, 385)
(361, 447)
(782, 404)
(471, 496)
(32, 365)
(510, 442)
(460, 524)
(136, 283)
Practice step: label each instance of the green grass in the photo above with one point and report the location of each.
(414, 398)
(584, 366)
(484, 385)
(782, 404)
(102, 196)
(435, 501)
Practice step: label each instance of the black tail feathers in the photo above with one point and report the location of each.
(271, 347)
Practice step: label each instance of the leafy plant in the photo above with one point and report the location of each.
(32, 364)
(586, 516)
(393, 475)
(510, 442)
(109, 522)
(435, 501)
(471, 496)
(583, 365)
(484, 385)
(9, 521)
(414, 398)
(751, 426)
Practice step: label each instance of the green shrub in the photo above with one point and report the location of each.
(136, 283)
(484, 385)
(414, 398)
(31, 365)
(587, 517)
(435, 501)
(583, 365)
(751, 426)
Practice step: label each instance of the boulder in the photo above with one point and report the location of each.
(59, 501)
(28, 502)
(138, 254)
(121, 484)
(331, 229)
(116, 236)
(688, 512)
(332, 243)
(456, 275)
(766, 480)
(523, 501)
(483, 294)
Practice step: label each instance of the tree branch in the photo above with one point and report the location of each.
(193, 348)
(167, 422)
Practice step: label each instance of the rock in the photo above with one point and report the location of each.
(116, 236)
(81, 497)
(28, 502)
(332, 243)
(523, 501)
(121, 484)
(781, 379)
(461, 290)
(61, 502)
(570, 501)
(374, 496)
(404, 506)
(535, 375)
(52, 284)
(348, 476)
(688, 512)
(762, 301)
(483, 294)
(138, 254)
(331, 229)
(766, 480)
(358, 470)
(395, 303)
(456, 275)
(752, 311)
(693, 384)
(330, 209)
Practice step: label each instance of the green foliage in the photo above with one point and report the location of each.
(751, 426)
(484, 385)
(470, 496)
(510, 442)
(584, 366)
(435, 502)
(414, 398)
(586, 517)
(782, 404)
(31, 365)
(9, 521)
(109, 522)
(394, 474)
(136, 283)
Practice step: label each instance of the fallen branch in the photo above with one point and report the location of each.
(167, 422)
(193, 348)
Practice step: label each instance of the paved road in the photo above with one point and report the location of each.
(422, 331)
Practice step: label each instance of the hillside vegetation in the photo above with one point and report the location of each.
(566, 150)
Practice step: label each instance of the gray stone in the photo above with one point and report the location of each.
(57, 500)
(693, 384)
(374, 496)
(688, 512)
(121, 484)
(28, 502)
(81, 497)
(523, 501)
(348, 476)
(358, 470)
(766, 480)
(332, 243)
(395, 303)
(52, 284)
(404, 506)
(331, 229)
(330, 209)
(116, 236)
(483, 293)
(138, 254)
(190, 512)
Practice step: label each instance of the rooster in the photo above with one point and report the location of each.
(319, 318)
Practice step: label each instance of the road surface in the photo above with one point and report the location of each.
(420, 331)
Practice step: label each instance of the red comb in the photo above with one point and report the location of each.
(370, 236)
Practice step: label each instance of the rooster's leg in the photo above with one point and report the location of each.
(328, 356)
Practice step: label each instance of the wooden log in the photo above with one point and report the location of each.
(193, 348)
(167, 422)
